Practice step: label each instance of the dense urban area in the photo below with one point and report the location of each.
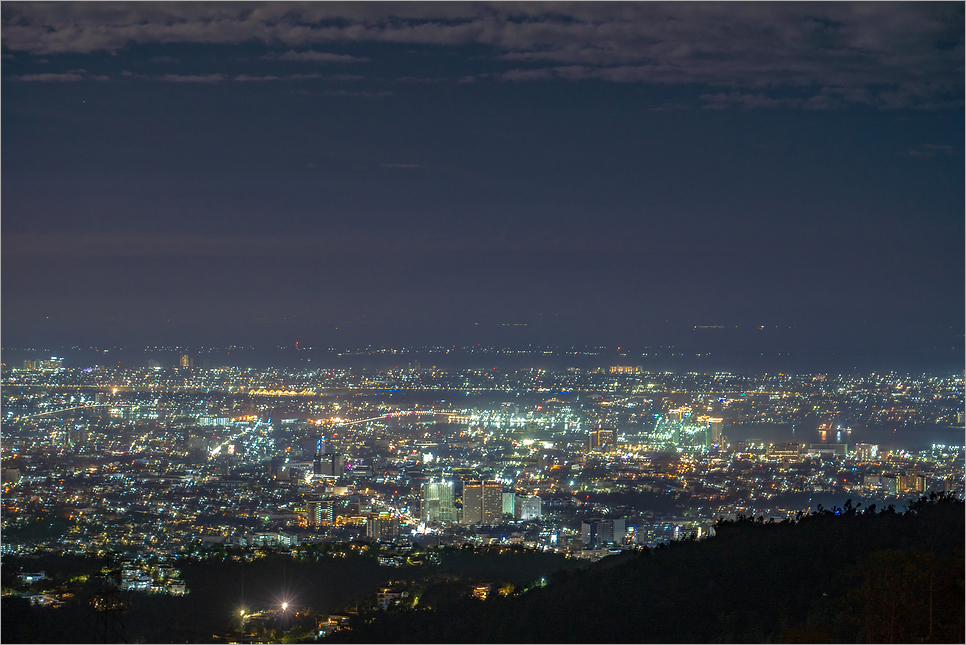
(155, 466)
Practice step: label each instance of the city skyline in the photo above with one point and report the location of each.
(730, 179)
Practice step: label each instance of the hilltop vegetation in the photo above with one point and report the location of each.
(840, 575)
(315, 580)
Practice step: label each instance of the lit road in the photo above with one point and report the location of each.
(391, 415)
(76, 407)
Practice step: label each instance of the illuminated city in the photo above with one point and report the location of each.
(459, 322)
(160, 462)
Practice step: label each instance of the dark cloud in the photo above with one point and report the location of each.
(200, 78)
(311, 56)
(822, 102)
(70, 76)
(246, 77)
(723, 100)
(415, 79)
(49, 78)
(360, 93)
(269, 77)
(577, 168)
(887, 54)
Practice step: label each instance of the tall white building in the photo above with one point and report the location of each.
(321, 512)
(528, 508)
(509, 503)
(866, 451)
(436, 504)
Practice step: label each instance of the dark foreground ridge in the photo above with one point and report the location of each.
(837, 576)
(840, 575)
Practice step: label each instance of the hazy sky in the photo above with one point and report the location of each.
(604, 173)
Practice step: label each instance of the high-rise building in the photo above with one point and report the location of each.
(321, 512)
(715, 427)
(599, 532)
(327, 465)
(827, 449)
(785, 451)
(54, 363)
(509, 503)
(590, 533)
(312, 446)
(889, 484)
(528, 508)
(186, 361)
(382, 527)
(482, 502)
(679, 414)
(626, 369)
(866, 451)
(78, 436)
(912, 483)
(437, 503)
(603, 439)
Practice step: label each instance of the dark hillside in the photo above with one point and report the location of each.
(835, 576)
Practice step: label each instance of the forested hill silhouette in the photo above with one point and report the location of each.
(839, 575)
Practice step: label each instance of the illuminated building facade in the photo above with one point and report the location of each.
(715, 427)
(509, 503)
(437, 503)
(625, 369)
(600, 532)
(54, 363)
(528, 508)
(482, 502)
(786, 451)
(603, 439)
(328, 465)
(382, 527)
(866, 451)
(912, 483)
(321, 512)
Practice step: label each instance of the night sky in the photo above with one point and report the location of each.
(785, 176)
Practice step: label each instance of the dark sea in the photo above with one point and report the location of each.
(892, 437)
(309, 358)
